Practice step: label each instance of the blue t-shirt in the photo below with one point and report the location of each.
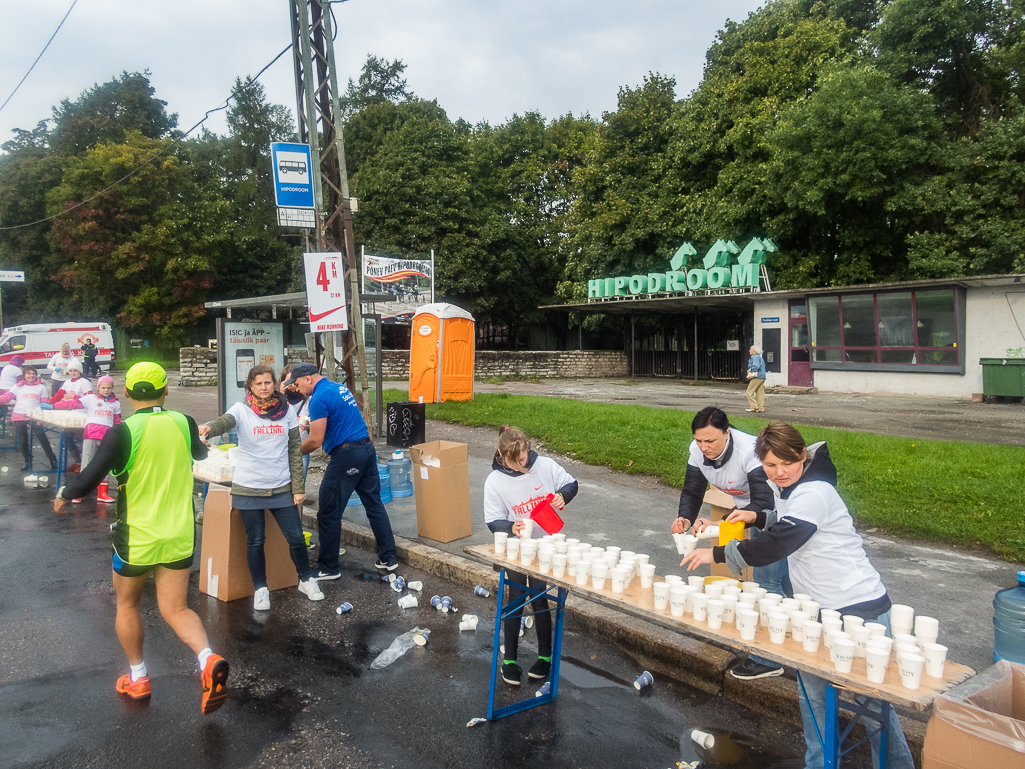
(344, 421)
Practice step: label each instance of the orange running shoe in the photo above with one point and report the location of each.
(215, 683)
(137, 690)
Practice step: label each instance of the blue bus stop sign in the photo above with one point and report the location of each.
(293, 185)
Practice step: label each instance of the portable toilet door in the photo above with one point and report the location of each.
(441, 354)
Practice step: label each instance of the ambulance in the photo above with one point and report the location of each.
(38, 342)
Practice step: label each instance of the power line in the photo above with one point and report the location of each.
(178, 140)
(73, 4)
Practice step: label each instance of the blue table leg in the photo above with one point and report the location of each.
(503, 610)
(829, 736)
(831, 729)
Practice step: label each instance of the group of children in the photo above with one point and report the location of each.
(20, 383)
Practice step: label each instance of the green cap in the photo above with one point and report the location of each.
(145, 378)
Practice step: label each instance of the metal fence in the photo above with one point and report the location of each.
(668, 350)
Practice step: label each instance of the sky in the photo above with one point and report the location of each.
(482, 61)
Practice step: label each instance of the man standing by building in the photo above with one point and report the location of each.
(756, 381)
(337, 425)
(151, 454)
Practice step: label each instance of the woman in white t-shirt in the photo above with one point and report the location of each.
(268, 476)
(58, 367)
(75, 386)
(28, 395)
(520, 480)
(815, 532)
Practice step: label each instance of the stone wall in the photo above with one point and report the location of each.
(198, 366)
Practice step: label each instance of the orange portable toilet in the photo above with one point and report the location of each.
(441, 354)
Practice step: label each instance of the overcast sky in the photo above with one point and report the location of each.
(482, 61)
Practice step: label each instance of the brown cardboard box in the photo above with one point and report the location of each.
(979, 724)
(442, 492)
(722, 505)
(223, 569)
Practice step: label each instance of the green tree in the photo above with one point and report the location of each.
(380, 81)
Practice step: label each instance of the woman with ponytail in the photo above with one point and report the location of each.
(268, 476)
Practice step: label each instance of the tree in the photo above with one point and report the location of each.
(380, 81)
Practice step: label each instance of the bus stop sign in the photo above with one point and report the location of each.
(293, 185)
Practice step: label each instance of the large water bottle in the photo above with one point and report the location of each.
(1009, 623)
(384, 475)
(400, 468)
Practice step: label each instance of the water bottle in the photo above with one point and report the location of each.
(1009, 623)
(384, 473)
(399, 467)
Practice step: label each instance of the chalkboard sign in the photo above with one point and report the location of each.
(406, 423)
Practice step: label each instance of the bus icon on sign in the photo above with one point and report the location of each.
(293, 166)
(292, 163)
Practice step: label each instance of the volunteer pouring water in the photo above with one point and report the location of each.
(268, 476)
(724, 457)
(815, 533)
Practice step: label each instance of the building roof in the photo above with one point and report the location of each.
(736, 299)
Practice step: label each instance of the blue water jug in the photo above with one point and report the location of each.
(1009, 623)
(384, 475)
(400, 468)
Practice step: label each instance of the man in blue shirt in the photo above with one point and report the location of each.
(337, 425)
(755, 381)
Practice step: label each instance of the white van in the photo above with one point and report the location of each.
(38, 342)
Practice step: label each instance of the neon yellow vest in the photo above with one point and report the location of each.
(156, 522)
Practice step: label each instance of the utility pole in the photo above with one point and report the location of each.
(319, 113)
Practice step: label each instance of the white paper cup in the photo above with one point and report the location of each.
(801, 597)
(500, 538)
(812, 632)
(935, 656)
(716, 612)
(823, 613)
(673, 579)
(630, 566)
(832, 637)
(407, 602)
(468, 622)
(927, 629)
(878, 628)
(647, 575)
(732, 590)
(527, 552)
(765, 605)
(677, 601)
(903, 650)
(905, 638)
(599, 573)
(744, 605)
(661, 595)
(843, 654)
(528, 529)
(614, 550)
(789, 603)
(512, 548)
(797, 620)
(713, 590)
(876, 663)
(700, 603)
(560, 537)
(749, 587)
(829, 625)
(860, 635)
(747, 624)
(776, 598)
(704, 739)
(883, 642)
(561, 547)
(852, 620)
(544, 560)
(583, 572)
(643, 559)
(620, 578)
(778, 627)
(696, 582)
(559, 565)
(902, 618)
(594, 550)
(911, 666)
(729, 614)
(573, 541)
(811, 608)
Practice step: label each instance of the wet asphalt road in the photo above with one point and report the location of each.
(302, 693)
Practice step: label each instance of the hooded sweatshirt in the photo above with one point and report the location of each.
(814, 531)
(510, 496)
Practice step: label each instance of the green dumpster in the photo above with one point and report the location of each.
(1003, 376)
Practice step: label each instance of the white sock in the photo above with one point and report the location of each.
(204, 655)
(139, 671)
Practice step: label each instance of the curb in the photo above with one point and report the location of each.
(676, 655)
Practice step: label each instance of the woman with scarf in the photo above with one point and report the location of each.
(268, 476)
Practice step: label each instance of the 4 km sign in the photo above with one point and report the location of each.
(325, 291)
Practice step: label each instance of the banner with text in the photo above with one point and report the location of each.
(325, 291)
(383, 269)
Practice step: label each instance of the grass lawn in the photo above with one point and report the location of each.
(960, 493)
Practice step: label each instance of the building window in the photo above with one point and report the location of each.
(894, 330)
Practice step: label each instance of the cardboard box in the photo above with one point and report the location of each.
(223, 569)
(979, 724)
(441, 485)
(722, 505)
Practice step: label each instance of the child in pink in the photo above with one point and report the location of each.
(29, 395)
(102, 411)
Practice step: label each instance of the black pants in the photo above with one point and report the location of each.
(26, 444)
(90, 366)
(542, 618)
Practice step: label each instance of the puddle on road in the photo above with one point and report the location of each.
(585, 676)
(733, 750)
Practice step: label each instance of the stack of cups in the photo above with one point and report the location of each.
(528, 529)
(902, 619)
(927, 630)
(661, 595)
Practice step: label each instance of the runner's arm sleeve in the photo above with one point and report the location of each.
(775, 543)
(112, 454)
(694, 485)
(221, 425)
(295, 460)
(198, 447)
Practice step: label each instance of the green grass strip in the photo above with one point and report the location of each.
(955, 492)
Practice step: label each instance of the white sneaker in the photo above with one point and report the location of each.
(261, 600)
(311, 590)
